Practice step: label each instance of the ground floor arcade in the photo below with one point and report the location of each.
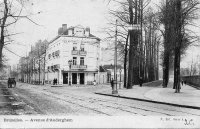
(75, 77)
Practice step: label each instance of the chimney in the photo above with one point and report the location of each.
(87, 31)
(64, 26)
(60, 31)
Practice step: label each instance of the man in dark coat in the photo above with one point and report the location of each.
(140, 81)
(112, 83)
(56, 81)
(9, 83)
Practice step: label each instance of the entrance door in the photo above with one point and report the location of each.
(65, 78)
(82, 78)
(74, 78)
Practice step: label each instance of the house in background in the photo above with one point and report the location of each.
(110, 72)
(73, 56)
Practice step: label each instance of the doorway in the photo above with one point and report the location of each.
(74, 78)
(65, 78)
(82, 78)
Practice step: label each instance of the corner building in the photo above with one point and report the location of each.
(72, 57)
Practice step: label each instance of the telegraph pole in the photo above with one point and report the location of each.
(39, 63)
(115, 63)
(115, 57)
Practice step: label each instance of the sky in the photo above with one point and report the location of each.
(51, 14)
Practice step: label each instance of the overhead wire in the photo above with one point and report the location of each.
(12, 52)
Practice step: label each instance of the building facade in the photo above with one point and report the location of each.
(110, 72)
(73, 56)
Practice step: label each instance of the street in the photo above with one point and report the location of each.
(28, 99)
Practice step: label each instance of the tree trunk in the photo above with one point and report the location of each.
(125, 61)
(178, 28)
(3, 30)
(166, 46)
(131, 34)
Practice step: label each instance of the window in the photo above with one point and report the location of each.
(49, 56)
(82, 61)
(74, 60)
(74, 46)
(57, 53)
(82, 47)
(53, 54)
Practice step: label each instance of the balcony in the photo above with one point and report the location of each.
(79, 67)
(74, 52)
(82, 53)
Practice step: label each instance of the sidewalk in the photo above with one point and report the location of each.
(188, 97)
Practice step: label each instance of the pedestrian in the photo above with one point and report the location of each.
(112, 83)
(14, 82)
(185, 82)
(182, 82)
(9, 82)
(140, 81)
(56, 81)
(94, 82)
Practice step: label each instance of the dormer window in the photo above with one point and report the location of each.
(79, 31)
(70, 32)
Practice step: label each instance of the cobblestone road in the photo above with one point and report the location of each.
(48, 100)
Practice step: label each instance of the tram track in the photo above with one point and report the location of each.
(89, 103)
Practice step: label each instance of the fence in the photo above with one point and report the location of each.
(192, 80)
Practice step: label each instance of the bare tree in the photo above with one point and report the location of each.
(136, 50)
(10, 13)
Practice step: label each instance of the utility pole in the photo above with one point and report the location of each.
(39, 62)
(115, 59)
(115, 63)
(44, 62)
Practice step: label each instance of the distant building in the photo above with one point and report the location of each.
(110, 72)
(72, 57)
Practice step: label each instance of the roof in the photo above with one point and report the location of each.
(102, 69)
(112, 67)
(65, 33)
(91, 35)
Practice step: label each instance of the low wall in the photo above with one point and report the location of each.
(193, 80)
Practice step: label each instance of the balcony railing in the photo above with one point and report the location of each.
(56, 67)
(74, 52)
(79, 67)
(82, 53)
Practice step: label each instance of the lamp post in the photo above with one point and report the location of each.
(70, 64)
(114, 91)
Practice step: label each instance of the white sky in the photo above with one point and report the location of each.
(54, 13)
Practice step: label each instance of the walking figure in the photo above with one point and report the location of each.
(9, 83)
(182, 82)
(56, 81)
(185, 82)
(112, 83)
(140, 81)
(94, 82)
